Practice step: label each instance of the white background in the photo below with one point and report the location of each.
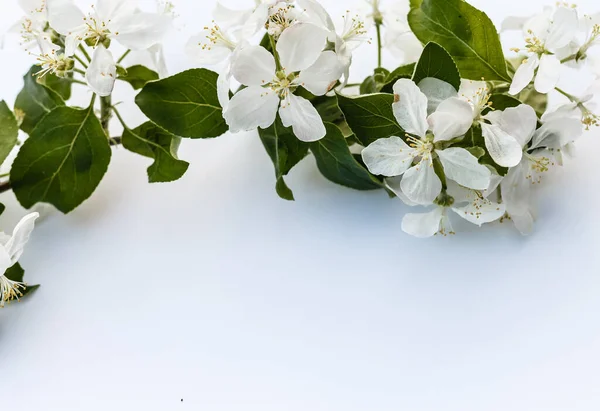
(214, 291)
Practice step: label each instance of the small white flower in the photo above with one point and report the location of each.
(303, 63)
(11, 249)
(109, 20)
(471, 205)
(391, 157)
(33, 24)
(51, 59)
(542, 149)
(546, 35)
(584, 108)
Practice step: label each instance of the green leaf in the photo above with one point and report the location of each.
(2, 208)
(375, 82)
(62, 86)
(370, 117)
(138, 76)
(35, 100)
(337, 164)
(9, 131)
(406, 71)
(466, 33)
(328, 108)
(285, 151)
(17, 273)
(437, 63)
(63, 160)
(537, 100)
(151, 141)
(503, 101)
(185, 104)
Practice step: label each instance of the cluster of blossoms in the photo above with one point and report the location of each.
(71, 41)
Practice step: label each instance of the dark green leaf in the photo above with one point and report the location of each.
(370, 117)
(62, 86)
(465, 32)
(437, 63)
(138, 76)
(16, 273)
(63, 160)
(35, 101)
(328, 108)
(406, 71)
(2, 208)
(537, 100)
(337, 164)
(503, 101)
(151, 141)
(285, 151)
(9, 131)
(375, 82)
(185, 104)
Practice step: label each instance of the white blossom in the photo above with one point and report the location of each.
(11, 249)
(270, 89)
(391, 157)
(546, 35)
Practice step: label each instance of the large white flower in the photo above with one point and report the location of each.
(391, 157)
(471, 205)
(542, 149)
(269, 90)
(11, 249)
(109, 20)
(546, 35)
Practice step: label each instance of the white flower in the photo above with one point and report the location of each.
(546, 36)
(584, 108)
(353, 34)
(33, 24)
(471, 205)
(542, 149)
(51, 59)
(11, 249)
(109, 20)
(269, 90)
(391, 157)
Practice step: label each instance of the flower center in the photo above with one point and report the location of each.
(538, 165)
(534, 44)
(216, 37)
(423, 147)
(97, 32)
(59, 65)
(283, 84)
(10, 290)
(280, 18)
(355, 28)
(480, 101)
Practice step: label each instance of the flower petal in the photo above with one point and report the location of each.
(421, 184)
(563, 29)
(548, 74)
(524, 74)
(256, 21)
(524, 222)
(393, 183)
(227, 17)
(317, 14)
(20, 237)
(436, 91)
(423, 225)
(557, 133)
(203, 53)
(303, 117)
(253, 66)
(453, 118)
(251, 108)
(410, 109)
(223, 89)
(321, 76)
(464, 168)
(300, 45)
(102, 72)
(64, 16)
(114, 9)
(481, 211)
(504, 149)
(140, 31)
(518, 122)
(516, 190)
(388, 157)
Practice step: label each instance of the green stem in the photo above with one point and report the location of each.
(439, 170)
(75, 81)
(567, 95)
(105, 113)
(85, 53)
(80, 60)
(379, 45)
(123, 56)
(274, 47)
(79, 71)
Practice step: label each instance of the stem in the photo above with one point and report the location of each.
(570, 58)
(79, 71)
(379, 45)
(105, 113)
(75, 81)
(80, 60)
(567, 95)
(114, 109)
(274, 47)
(123, 56)
(6, 186)
(85, 53)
